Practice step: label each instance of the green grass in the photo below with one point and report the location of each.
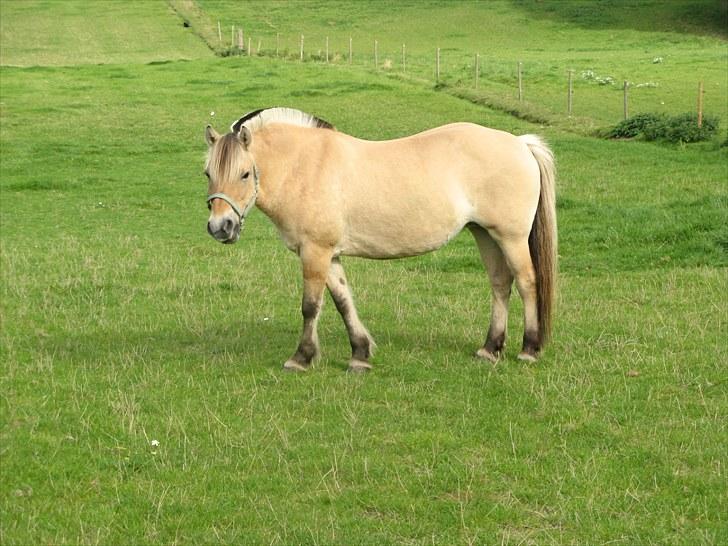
(122, 322)
(63, 33)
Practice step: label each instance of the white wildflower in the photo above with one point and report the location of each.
(155, 443)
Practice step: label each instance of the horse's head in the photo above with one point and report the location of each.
(233, 182)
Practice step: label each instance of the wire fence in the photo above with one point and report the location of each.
(540, 90)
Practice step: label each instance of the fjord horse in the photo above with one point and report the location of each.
(331, 195)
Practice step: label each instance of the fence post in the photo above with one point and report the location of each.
(700, 104)
(232, 37)
(219, 32)
(570, 92)
(437, 66)
(376, 55)
(477, 69)
(278, 43)
(249, 46)
(301, 47)
(404, 58)
(626, 100)
(520, 81)
(241, 43)
(351, 51)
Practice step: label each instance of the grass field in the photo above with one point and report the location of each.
(123, 323)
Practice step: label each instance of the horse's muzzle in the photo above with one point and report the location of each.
(224, 230)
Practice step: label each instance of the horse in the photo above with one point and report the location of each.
(332, 195)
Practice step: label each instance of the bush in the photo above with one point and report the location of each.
(681, 128)
(636, 125)
(684, 128)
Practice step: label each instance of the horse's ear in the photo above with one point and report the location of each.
(211, 135)
(245, 136)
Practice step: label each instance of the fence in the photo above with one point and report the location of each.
(514, 84)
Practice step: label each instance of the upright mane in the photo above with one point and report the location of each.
(260, 118)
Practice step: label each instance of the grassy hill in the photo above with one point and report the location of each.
(608, 40)
(123, 323)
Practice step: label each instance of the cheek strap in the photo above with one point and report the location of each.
(233, 205)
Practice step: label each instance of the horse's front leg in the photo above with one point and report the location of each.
(362, 344)
(315, 261)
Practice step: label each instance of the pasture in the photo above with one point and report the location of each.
(142, 394)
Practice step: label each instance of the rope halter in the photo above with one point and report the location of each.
(242, 213)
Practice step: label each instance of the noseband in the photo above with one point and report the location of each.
(233, 205)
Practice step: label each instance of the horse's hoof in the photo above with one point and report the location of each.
(526, 357)
(358, 366)
(487, 355)
(293, 366)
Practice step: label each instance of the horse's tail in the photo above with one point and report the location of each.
(543, 239)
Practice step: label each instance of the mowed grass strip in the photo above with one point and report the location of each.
(72, 32)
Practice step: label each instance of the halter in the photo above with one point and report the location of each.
(233, 205)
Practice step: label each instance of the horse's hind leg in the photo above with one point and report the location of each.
(362, 344)
(518, 256)
(501, 280)
(315, 261)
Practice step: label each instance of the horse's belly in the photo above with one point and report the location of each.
(397, 241)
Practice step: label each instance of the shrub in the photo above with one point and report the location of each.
(681, 128)
(684, 128)
(634, 126)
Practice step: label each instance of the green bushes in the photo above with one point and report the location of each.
(681, 128)
(634, 126)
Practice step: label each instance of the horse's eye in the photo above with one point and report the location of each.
(207, 175)
(246, 175)
(209, 206)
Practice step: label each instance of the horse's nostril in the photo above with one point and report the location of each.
(209, 229)
(227, 226)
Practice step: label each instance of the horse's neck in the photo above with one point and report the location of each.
(277, 155)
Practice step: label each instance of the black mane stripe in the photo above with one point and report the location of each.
(315, 121)
(250, 115)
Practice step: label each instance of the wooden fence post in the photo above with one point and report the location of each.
(520, 80)
(241, 43)
(232, 37)
(626, 100)
(351, 51)
(477, 69)
(301, 47)
(570, 92)
(249, 47)
(700, 104)
(219, 32)
(327, 49)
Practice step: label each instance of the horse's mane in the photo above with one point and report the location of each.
(260, 118)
